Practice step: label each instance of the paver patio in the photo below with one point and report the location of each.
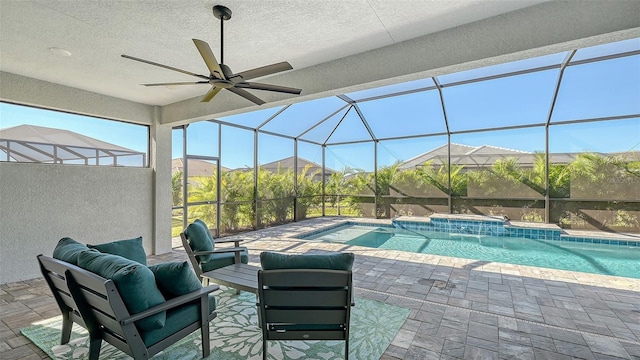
(460, 308)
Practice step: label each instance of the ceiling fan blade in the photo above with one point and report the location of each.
(265, 70)
(177, 83)
(164, 66)
(209, 58)
(268, 87)
(245, 94)
(210, 94)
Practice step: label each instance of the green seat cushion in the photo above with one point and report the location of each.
(177, 319)
(224, 259)
(175, 279)
(135, 282)
(200, 239)
(68, 250)
(131, 249)
(338, 261)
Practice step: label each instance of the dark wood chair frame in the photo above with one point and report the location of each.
(193, 255)
(94, 303)
(304, 304)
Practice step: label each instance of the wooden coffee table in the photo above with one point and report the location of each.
(238, 276)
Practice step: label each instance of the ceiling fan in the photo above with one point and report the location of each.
(220, 75)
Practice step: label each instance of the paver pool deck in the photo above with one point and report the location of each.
(460, 308)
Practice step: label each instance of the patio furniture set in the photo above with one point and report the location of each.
(109, 290)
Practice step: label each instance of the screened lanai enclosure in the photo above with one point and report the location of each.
(37, 144)
(552, 139)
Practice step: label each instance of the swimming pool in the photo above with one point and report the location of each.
(597, 256)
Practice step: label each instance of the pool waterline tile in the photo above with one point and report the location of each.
(488, 234)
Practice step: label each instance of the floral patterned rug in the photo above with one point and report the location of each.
(236, 335)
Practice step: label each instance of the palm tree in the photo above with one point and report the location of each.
(386, 177)
(176, 188)
(237, 200)
(601, 177)
(202, 189)
(438, 178)
(344, 186)
(559, 176)
(308, 192)
(277, 189)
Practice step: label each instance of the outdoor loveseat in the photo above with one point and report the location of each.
(138, 309)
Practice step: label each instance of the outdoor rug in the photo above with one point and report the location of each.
(236, 335)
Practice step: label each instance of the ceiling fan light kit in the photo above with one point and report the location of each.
(220, 75)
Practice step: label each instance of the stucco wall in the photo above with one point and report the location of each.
(41, 203)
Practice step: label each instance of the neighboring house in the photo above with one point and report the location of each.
(288, 163)
(39, 144)
(204, 168)
(195, 167)
(486, 155)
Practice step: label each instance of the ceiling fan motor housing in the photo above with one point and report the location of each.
(226, 71)
(220, 83)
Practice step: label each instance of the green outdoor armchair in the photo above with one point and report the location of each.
(203, 254)
(305, 297)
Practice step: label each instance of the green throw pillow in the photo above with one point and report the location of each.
(131, 249)
(135, 282)
(175, 278)
(339, 261)
(200, 239)
(68, 250)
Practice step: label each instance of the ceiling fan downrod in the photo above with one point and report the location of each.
(223, 13)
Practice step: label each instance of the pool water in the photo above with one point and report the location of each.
(582, 257)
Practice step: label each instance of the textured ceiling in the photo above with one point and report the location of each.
(305, 33)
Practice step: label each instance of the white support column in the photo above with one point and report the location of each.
(160, 162)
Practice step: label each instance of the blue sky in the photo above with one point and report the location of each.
(592, 90)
